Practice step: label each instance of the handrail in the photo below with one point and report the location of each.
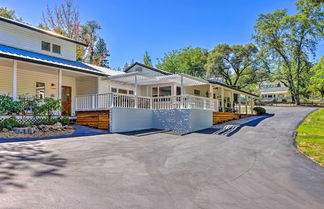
(105, 101)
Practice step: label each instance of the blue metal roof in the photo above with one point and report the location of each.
(6, 51)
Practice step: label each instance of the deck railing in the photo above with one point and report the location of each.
(108, 100)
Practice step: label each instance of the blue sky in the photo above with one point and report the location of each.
(132, 26)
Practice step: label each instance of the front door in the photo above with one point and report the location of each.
(66, 100)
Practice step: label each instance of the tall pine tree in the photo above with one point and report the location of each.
(147, 59)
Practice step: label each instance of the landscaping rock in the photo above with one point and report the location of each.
(26, 130)
(58, 124)
(67, 127)
(5, 130)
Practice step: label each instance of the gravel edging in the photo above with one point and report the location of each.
(38, 134)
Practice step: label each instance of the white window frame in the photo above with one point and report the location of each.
(56, 52)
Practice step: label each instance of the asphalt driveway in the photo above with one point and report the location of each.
(257, 166)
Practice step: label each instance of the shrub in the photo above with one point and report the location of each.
(259, 110)
(48, 121)
(7, 105)
(284, 100)
(50, 107)
(12, 122)
(64, 120)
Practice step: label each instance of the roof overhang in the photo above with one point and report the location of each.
(32, 57)
(142, 79)
(39, 30)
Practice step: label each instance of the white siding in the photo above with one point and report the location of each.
(22, 38)
(5, 80)
(87, 85)
(26, 82)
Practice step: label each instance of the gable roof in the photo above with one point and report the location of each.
(39, 30)
(151, 68)
(33, 57)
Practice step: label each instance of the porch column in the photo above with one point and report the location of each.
(136, 102)
(59, 85)
(246, 104)
(211, 102)
(232, 101)
(14, 80)
(222, 99)
(182, 91)
(239, 100)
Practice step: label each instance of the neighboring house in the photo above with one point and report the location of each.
(36, 62)
(273, 90)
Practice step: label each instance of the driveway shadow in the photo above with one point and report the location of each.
(232, 127)
(20, 161)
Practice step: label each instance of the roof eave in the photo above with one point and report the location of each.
(151, 68)
(51, 64)
(23, 25)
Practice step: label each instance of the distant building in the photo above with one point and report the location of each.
(273, 90)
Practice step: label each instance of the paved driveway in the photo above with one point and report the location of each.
(256, 167)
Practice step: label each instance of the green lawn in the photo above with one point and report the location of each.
(310, 136)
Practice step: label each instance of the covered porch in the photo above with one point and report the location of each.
(29, 79)
(177, 91)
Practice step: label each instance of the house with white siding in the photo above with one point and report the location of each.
(39, 63)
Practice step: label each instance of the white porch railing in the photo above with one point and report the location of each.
(108, 100)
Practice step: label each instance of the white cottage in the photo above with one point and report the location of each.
(36, 62)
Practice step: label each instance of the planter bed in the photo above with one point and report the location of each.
(37, 131)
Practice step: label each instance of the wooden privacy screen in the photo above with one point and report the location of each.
(95, 119)
(219, 117)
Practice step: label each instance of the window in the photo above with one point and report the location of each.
(178, 90)
(196, 92)
(165, 91)
(40, 90)
(46, 46)
(113, 90)
(131, 92)
(155, 92)
(56, 49)
(122, 91)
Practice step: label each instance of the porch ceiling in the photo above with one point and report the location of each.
(141, 79)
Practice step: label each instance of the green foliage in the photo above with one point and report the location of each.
(50, 107)
(317, 78)
(10, 14)
(7, 105)
(48, 121)
(236, 64)
(188, 60)
(101, 53)
(64, 120)
(147, 59)
(287, 41)
(310, 136)
(259, 110)
(11, 123)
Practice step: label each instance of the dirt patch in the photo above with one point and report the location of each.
(37, 134)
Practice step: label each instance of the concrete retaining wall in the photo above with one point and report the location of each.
(201, 119)
(184, 120)
(130, 119)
